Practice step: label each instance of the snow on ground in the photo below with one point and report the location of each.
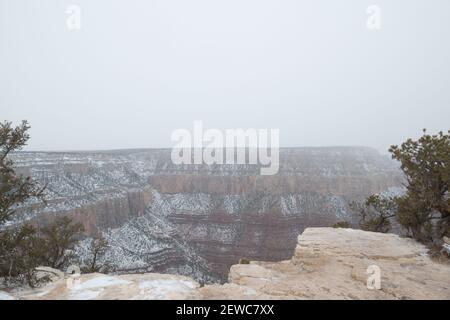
(85, 290)
(6, 296)
(98, 282)
(163, 289)
(96, 286)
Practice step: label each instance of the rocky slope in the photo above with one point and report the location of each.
(198, 220)
(327, 264)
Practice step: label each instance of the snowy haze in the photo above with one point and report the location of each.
(137, 70)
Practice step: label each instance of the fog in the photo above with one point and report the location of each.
(138, 70)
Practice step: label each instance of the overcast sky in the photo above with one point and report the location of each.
(139, 69)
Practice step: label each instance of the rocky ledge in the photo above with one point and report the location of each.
(328, 263)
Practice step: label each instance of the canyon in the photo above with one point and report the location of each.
(198, 220)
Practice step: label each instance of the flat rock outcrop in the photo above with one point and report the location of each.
(333, 263)
(327, 263)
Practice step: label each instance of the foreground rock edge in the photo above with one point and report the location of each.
(327, 263)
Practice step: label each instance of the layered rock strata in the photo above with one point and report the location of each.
(198, 220)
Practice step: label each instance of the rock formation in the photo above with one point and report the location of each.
(333, 263)
(327, 263)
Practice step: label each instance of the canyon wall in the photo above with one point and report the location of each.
(198, 220)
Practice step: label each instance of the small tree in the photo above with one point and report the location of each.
(60, 238)
(14, 189)
(22, 246)
(425, 208)
(22, 253)
(19, 247)
(375, 213)
(97, 249)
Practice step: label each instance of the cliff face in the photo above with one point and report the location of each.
(198, 220)
(327, 263)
